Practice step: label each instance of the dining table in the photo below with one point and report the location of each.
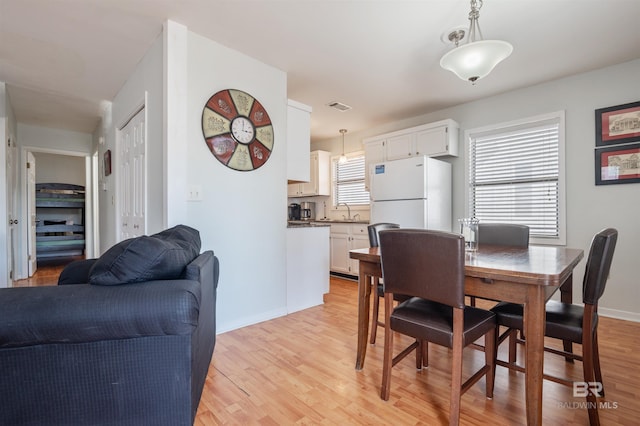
(529, 276)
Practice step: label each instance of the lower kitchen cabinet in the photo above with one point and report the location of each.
(307, 266)
(345, 237)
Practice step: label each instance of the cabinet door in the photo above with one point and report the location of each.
(311, 188)
(373, 153)
(340, 253)
(293, 189)
(399, 147)
(357, 241)
(298, 139)
(432, 141)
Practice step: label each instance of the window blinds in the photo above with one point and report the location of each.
(514, 177)
(348, 182)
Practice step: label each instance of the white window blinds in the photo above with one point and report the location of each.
(514, 176)
(348, 182)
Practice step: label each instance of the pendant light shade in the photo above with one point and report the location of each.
(473, 61)
(476, 58)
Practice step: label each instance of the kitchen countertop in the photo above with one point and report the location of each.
(321, 222)
(305, 224)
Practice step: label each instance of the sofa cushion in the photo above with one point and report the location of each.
(162, 256)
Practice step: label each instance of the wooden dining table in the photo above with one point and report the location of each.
(529, 276)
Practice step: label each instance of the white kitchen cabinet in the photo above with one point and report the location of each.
(298, 141)
(307, 266)
(400, 146)
(437, 139)
(320, 177)
(345, 237)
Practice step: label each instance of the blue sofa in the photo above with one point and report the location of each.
(125, 339)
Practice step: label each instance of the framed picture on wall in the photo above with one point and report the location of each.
(618, 164)
(107, 162)
(618, 124)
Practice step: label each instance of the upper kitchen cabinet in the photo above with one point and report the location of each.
(298, 141)
(437, 139)
(320, 177)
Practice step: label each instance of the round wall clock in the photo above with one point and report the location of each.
(237, 130)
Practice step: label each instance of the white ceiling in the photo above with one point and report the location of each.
(61, 58)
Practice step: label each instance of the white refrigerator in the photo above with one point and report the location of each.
(414, 192)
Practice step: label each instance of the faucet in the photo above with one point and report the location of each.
(348, 210)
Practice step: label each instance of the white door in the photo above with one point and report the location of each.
(132, 175)
(31, 213)
(11, 210)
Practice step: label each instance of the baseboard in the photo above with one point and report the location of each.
(264, 316)
(617, 314)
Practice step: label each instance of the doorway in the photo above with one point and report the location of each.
(54, 166)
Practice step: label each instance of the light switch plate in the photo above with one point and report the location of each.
(194, 193)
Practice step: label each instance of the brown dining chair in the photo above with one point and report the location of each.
(568, 322)
(374, 230)
(429, 265)
(501, 234)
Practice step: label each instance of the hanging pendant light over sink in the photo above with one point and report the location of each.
(343, 158)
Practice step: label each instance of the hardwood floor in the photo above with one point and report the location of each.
(299, 369)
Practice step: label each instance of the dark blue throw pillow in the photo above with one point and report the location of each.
(162, 256)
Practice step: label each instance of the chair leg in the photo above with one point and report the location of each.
(513, 345)
(596, 362)
(374, 314)
(587, 364)
(387, 362)
(456, 367)
(472, 301)
(490, 354)
(425, 353)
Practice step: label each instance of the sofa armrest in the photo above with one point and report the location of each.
(88, 313)
(76, 272)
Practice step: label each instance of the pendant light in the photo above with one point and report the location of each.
(343, 158)
(476, 58)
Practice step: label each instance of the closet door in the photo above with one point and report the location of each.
(132, 145)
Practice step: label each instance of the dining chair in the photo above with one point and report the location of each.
(374, 230)
(501, 234)
(578, 324)
(429, 266)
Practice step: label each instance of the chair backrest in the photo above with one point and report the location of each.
(375, 229)
(598, 265)
(424, 263)
(503, 234)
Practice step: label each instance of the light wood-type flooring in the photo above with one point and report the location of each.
(299, 369)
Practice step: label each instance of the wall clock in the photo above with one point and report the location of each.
(237, 130)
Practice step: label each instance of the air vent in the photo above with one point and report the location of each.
(339, 106)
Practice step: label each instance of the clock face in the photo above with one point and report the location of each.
(237, 130)
(242, 129)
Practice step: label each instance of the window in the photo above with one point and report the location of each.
(348, 182)
(516, 175)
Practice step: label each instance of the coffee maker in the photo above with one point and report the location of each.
(307, 210)
(294, 211)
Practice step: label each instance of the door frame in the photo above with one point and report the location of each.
(90, 212)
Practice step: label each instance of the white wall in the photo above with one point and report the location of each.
(590, 208)
(47, 138)
(144, 86)
(242, 216)
(60, 168)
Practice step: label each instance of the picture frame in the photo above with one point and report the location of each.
(617, 164)
(107, 162)
(618, 124)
